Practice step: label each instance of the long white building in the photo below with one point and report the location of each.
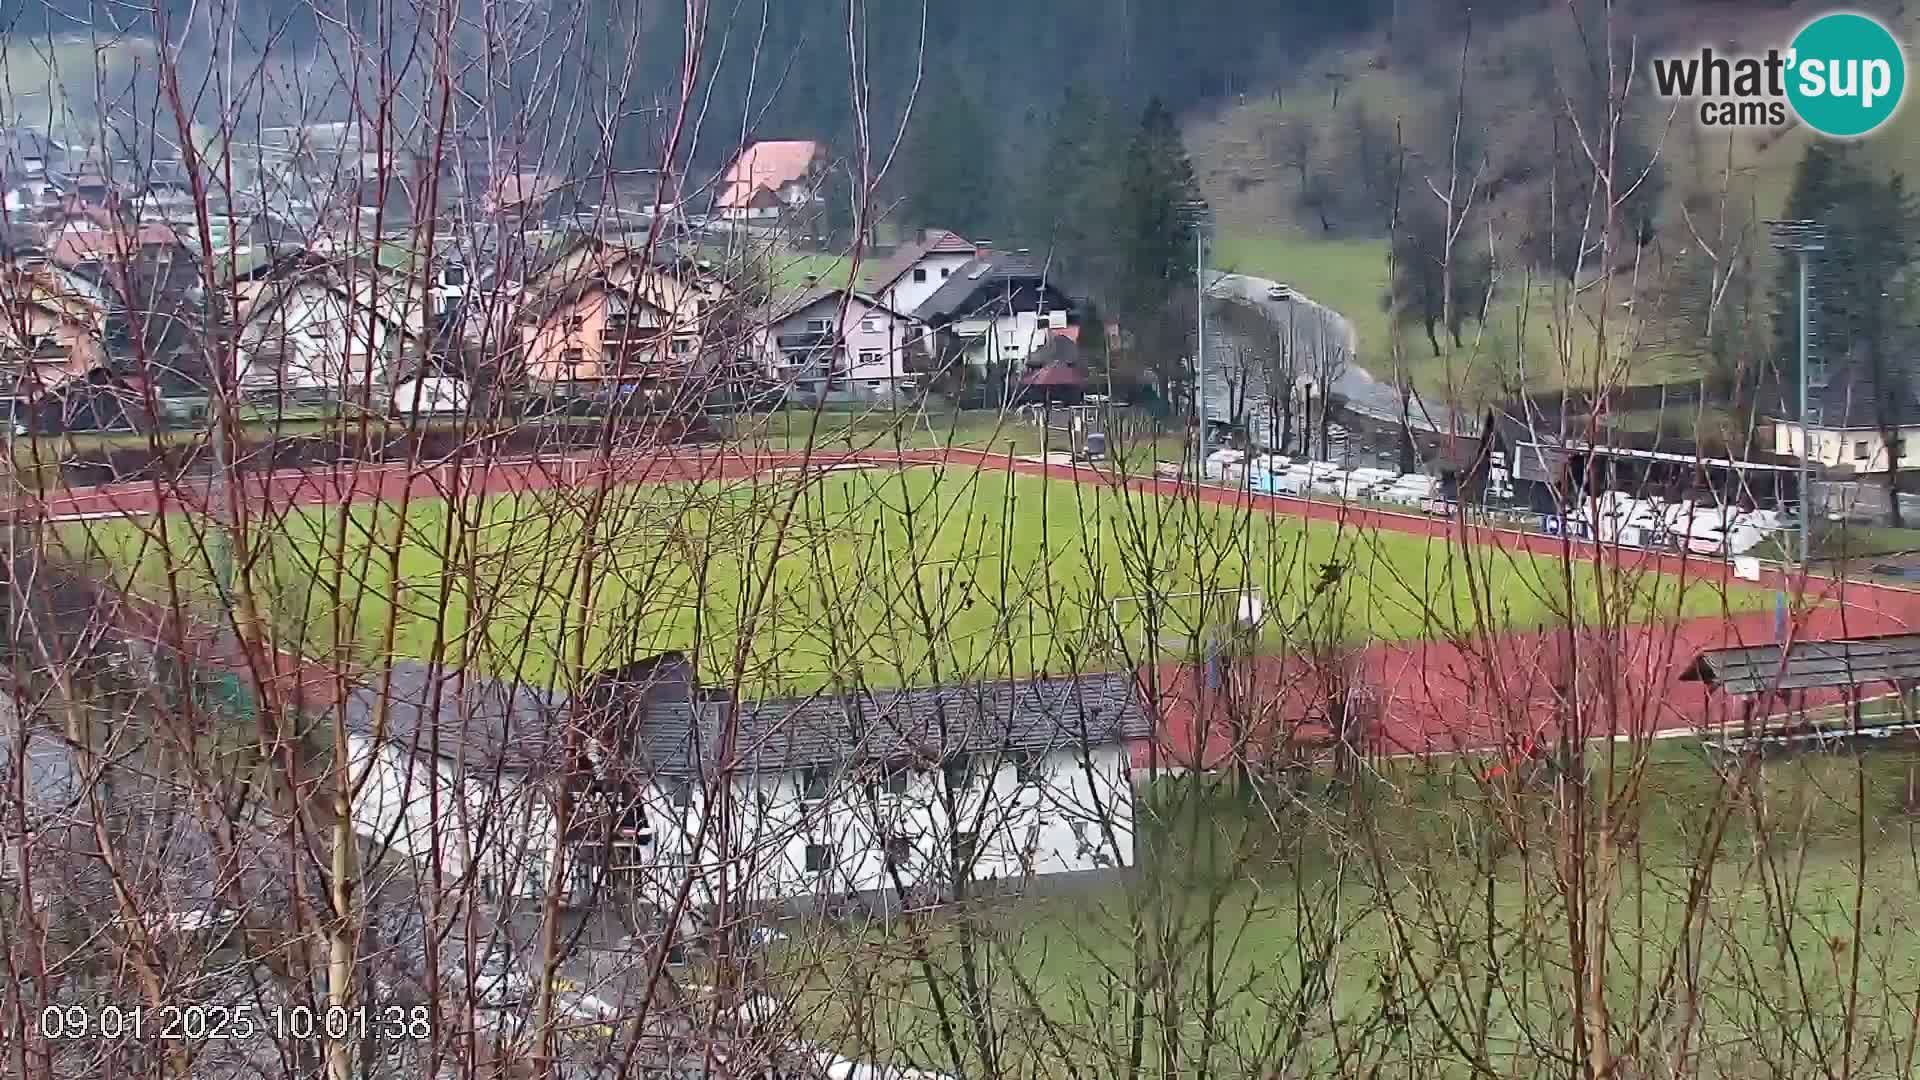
(676, 790)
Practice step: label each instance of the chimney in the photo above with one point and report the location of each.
(982, 248)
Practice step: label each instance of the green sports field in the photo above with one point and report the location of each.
(882, 576)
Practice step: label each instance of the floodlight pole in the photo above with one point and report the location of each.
(1803, 238)
(1200, 345)
(1197, 211)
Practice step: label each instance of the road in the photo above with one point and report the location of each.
(1315, 322)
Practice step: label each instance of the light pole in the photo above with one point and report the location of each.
(1803, 238)
(1200, 216)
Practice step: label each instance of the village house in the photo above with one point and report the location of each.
(769, 179)
(916, 270)
(330, 329)
(829, 797)
(995, 310)
(595, 332)
(53, 328)
(1847, 421)
(842, 341)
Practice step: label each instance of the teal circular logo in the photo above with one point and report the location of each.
(1846, 74)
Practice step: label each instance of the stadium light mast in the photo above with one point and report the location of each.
(1804, 238)
(1199, 215)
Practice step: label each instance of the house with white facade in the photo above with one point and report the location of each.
(331, 330)
(916, 270)
(843, 342)
(1848, 421)
(676, 788)
(996, 309)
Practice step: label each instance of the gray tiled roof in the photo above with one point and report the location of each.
(480, 722)
(679, 729)
(48, 781)
(933, 722)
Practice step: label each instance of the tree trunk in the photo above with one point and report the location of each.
(1433, 339)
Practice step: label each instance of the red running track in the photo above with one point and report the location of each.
(1428, 695)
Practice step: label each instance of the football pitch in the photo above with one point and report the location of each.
(874, 576)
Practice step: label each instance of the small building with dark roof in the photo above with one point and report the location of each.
(995, 310)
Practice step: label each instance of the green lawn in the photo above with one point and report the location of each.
(890, 577)
(1437, 904)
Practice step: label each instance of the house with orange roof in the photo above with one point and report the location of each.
(770, 178)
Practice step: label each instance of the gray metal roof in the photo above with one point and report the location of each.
(1810, 664)
(994, 273)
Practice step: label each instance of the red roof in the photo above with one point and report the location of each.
(770, 165)
(1055, 375)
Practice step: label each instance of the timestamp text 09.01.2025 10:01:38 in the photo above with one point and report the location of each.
(196, 1023)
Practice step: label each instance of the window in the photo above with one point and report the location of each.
(454, 276)
(958, 770)
(819, 326)
(1860, 450)
(576, 322)
(1028, 768)
(899, 850)
(813, 785)
(680, 793)
(870, 325)
(819, 858)
(890, 782)
(1899, 451)
(572, 358)
(870, 356)
(920, 273)
(681, 346)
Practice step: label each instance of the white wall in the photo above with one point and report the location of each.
(906, 295)
(321, 348)
(1860, 450)
(1076, 815)
(1007, 338)
(875, 342)
(407, 807)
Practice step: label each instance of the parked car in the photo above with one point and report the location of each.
(1280, 292)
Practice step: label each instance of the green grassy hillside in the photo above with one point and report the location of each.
(1247, 158)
